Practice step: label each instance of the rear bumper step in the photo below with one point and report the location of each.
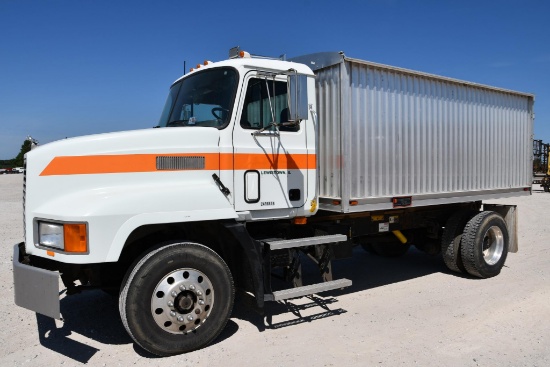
(307, 290)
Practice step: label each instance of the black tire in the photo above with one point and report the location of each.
(450, 240)
(546, 188)
(177, 298)
(484, 245)
(390, 249)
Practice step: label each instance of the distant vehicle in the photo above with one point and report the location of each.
(6, 171)
(2, 171)
(541, 169)
(18, 170)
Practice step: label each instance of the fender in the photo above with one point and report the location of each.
(114, 182)
(217, 208)
(112, 213)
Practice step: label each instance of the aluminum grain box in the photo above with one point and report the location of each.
(387, 132)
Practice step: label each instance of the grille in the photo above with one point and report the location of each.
(180, 163)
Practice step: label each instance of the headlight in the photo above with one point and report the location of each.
(67, 237)
(51, 235)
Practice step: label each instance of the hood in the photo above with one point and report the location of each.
(161, 141)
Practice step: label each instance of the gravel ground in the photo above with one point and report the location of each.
(406, 311)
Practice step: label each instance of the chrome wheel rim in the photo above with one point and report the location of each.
(493, 245)
(182, 301)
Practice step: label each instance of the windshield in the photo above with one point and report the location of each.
(202, 99)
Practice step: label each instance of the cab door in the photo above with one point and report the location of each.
(270, 157)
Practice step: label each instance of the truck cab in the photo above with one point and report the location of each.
(235, 145)
(266, 156)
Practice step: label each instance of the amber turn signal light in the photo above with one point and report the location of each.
(75, 237)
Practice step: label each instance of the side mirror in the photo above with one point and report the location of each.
(297, 97)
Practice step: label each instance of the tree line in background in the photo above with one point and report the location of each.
(18, 161)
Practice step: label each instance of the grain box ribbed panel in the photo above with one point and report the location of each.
(328, 96)
(413, 134)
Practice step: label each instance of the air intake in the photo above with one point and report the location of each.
(179, 163)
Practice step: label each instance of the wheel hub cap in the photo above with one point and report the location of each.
(493, 245)
(182, 301)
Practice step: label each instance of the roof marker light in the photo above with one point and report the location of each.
(244, 54)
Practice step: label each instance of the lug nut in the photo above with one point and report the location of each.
(182, 287)
(172, 313)
(201, 302)
(199, 293)
(190, 318)
(192, 287)
(170, 304)
(174, 293)
(180, 318)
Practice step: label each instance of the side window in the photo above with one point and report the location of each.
(258, 103)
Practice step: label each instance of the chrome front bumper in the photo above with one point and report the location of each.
(35, 289)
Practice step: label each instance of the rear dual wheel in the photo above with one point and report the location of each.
(450, 240)
(177, 298)
(484, 245)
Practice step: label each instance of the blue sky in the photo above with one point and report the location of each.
(70, 68)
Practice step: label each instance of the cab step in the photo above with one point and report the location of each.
(307, 290)
(308, 241)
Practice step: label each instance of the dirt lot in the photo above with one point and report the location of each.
(406, 311)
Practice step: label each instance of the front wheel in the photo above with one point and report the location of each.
(177, 298)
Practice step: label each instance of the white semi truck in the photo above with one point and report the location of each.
(259, 164)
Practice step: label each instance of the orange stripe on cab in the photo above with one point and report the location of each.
(125, 163)
(268, 161)
(129, 163)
